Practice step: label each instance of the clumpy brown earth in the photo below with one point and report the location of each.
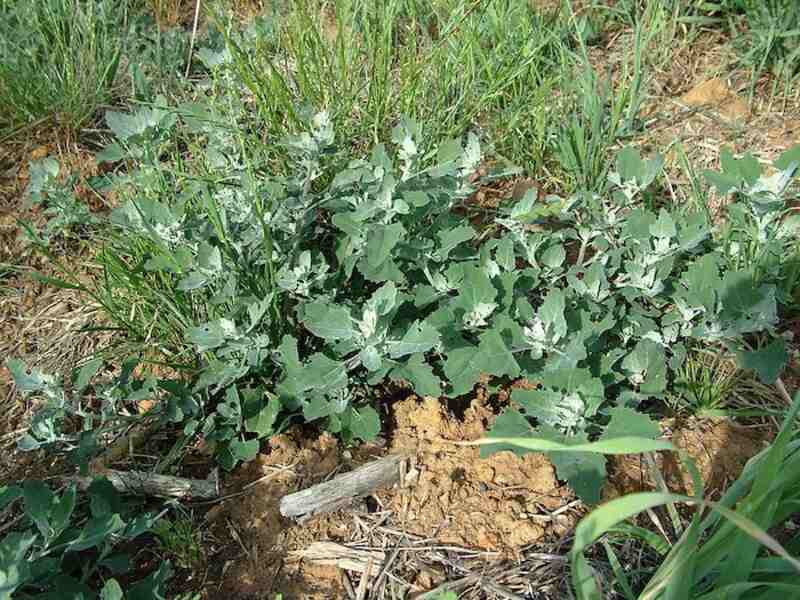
(499, 504)
(719, 448)
(502, 502)
(263, 537)
(502, 508)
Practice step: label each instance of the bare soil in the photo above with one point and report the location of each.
(500, 504)
(504, 507)
(718, 447)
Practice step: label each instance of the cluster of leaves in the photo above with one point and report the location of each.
(62, 552)
(179, 538)
(766, 32)
(63, 210)
(243, 252)
(644, 289)
(297, 292)
(75, 415)
(760, 230)
(773, 33)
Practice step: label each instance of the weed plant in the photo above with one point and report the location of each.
(286, 261)
(59, 61)
(286, 297)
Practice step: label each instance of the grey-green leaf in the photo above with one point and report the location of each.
(420, 337)
(211, 335)
(450, 238)
(111, 591)
(768, 361)
(420, 375)
(329, 322)
(626, 422)
(365, 423)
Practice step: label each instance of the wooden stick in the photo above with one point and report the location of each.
(337, 555)
(782, 389)
(153, 484)
(344, 489)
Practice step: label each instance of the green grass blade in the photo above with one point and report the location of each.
(619, 445)
(680, 585)
(761, 505)
(619, 572)
(652, 539)
(604, 518)
(787, 590)
(583, 579)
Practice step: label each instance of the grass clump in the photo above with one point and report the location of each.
(772, 40)
(59, 61)
(180, 539)
(455, 67)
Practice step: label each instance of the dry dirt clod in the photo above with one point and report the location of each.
(469, 500)
(715, 93)
(719, 448)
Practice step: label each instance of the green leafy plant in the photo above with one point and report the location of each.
(773, 34)
(54, 423)
(64, 211)
(598, 116)
(298, 293)
(760, 230)
(765, 32)
(60, 550)
(643, 286)
(706, 381)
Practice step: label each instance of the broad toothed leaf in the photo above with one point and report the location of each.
(646, 367)
(664, 227)
(260, 411)
(584, 472)
(464, 366)
(552, 313)
(509, 424)
(420, 375)
(365, 423)
(324, 375)
(462, 369)
(450, 238)
(551, 408)
(476, 298)
(627, 422)
(212, 335)
(495, 357)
